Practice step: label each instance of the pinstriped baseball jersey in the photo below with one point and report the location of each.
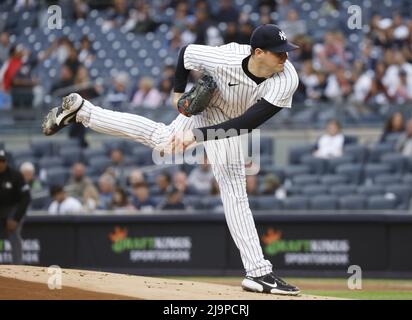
(236, 91)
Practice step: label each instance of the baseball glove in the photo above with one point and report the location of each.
(198, 97)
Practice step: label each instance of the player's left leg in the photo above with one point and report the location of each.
(227, 161)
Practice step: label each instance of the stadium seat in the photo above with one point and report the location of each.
(312, 190)
(352, 202)
(352, 171)
(378, 150)
(267, 203)
(402, 193)
(333, 163)
(99, 164)
(294, 170)
(296, 153)
(316, 165)
(371, 190)
(42, 148)
(372, 170)
(333, 179)
(397, 162)
(50, 162)
(57, 176)
(324, 202)
(305, 179)
(65, 144)
(376, 202)
(296, 203)
(71, 156)
(357, 152)
(343, 190)
(387, 179)
(407, 179)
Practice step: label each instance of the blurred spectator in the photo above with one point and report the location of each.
(90, 199)
(5, 46)
(272, 186)
(378, 91)
(404, 143)
(84, 86)
(116, 15)
(12, 67)
(119, 93)
(81, 9)
(163, 183)
(60, 49)
(402, 93)
(338, 85)
(174, 200)
(120, 201)
(86, 53)
(330, 145)
(252, 185)
(181, 14)
(293, 25)
(245, 31)
(141, 18)
(141, 198)
(165, 90)
(180, 182)
(78, 181)
(206, 32)
(119, 167)
(62, 203)
(331, 53)
(147, 95)
(29, 174)
(201, 178)
(59, 88)
(227, 12)
(107, 185)
(136, 176)
(395, 124)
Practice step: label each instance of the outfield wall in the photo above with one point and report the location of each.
(193, 244)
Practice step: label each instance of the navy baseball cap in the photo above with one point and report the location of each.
(271, 37)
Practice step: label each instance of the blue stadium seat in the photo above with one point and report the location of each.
(312, 190)
(396, 161)
(268, 203)
(376, 202)
(50, 162)
(357, 152)
(333, 163)
(353, 172)
(90, 154)
(372, 170)
(296, 153)
(316, 165)
(378, 150)
(333, 179)
(402, 193)
(371, 190)
(99, 164)
(57, 176)
(352, 202)
(343, 189)
(305, 179)
(407, 179)
(296, 203)
(65, 144)
(387, 179)
(71, 156)
(324, 202)
(42, 148)
(294, 170)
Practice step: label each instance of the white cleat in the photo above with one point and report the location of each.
(60, 117)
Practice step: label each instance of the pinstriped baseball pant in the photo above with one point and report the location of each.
(229, 172)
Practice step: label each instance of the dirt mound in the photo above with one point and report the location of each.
(26, 282)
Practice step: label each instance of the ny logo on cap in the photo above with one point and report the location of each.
(282, 35)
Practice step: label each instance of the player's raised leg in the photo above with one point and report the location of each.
(74, 108)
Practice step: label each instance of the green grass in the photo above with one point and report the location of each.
(361, 294)
(372, 289)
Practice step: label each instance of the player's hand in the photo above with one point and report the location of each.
(182, 140)
(176, 97)
(11, 225)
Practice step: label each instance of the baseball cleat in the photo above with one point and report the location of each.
(60, 117)
(269, 284)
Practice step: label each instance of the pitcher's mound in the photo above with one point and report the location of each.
(27, 282)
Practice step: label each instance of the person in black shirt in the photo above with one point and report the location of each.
(14, 200)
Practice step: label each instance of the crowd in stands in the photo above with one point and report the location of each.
(364, 70)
